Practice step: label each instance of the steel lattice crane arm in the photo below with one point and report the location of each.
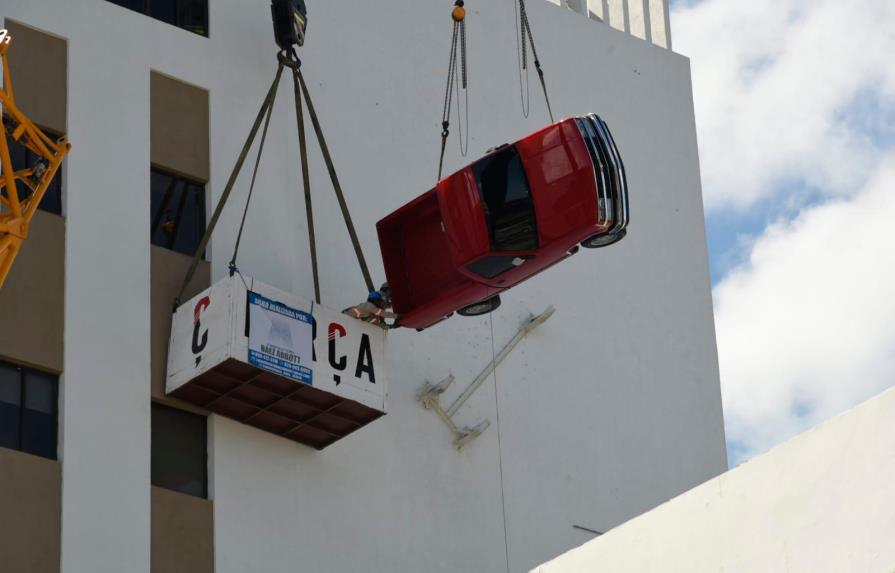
(21, 191)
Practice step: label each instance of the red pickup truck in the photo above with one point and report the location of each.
(510, 215)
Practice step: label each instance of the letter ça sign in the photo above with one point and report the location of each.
(339, 362)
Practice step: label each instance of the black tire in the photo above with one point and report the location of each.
(604, 240)
(482, 307)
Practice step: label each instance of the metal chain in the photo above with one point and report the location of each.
(457, 59)
(526, 37)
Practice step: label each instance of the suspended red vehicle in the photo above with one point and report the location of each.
(510, 215)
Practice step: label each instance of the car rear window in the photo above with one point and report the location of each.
(506, 195)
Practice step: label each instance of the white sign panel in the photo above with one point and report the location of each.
(200, 333)
(242, 319)
(280, 338)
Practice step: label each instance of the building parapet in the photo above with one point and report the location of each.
(646, 19)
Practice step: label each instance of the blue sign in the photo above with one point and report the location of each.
(280, 339)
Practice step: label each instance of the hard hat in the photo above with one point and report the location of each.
(374, 296)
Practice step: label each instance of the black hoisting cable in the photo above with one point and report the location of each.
(337, 187)
(203, 244)
(245, 211)
(305, 174)
(525, 39)
(458, 50)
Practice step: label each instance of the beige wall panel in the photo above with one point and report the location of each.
(167, 272)
(32, 305)
(179, 126)
(37, 63)
(182, 533)
(30, 513)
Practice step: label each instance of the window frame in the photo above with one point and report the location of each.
(478, 168)
(23, 393)
(146, 10)
(205, 494)
(155, 218)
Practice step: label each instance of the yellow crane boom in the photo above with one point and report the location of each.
(21, 191)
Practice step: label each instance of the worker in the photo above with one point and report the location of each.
(386, 293)
(375, 309)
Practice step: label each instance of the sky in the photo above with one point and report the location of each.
(795, 115)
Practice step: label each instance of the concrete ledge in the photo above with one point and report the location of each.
(182, 533)
(33, 298)
(30, 513)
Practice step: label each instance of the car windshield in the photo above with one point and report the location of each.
(509, 209)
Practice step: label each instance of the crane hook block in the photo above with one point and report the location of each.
(458, 13)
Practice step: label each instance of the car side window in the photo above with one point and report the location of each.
(506, 195)
(490, 267)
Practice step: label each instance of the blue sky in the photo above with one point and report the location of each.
(795, 110)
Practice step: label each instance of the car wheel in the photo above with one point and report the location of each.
(480, 308)
(603, 240)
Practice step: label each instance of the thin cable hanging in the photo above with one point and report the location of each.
(503, 500)
(524, 40)
(245, 212)
(456, 64)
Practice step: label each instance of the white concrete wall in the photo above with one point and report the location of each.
(611, 407)
(819, 502)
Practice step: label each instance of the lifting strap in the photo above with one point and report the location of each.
(300, 88)
(458, 14)
(245, 211)
(200, 250)
(524, 39)
(306, 181)
(337, 187)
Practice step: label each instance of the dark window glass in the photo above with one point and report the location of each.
(10, 406)
(138, 5)
(190, 15)
(490, 267)
(164, 10)
(193, 16)
(179, 444)
(177, 211)
(509, 209)
(28, 411)
(23, 158)
(39, 414)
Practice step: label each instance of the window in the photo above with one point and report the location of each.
(28, 410)
(509, 209)
(177, 211)
(179, 442)
(190, 15)
(23, 158)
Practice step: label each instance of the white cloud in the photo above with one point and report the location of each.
(772, 80)
(796, 99)
(806, 328)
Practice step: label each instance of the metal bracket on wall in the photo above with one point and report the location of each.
(430, 394)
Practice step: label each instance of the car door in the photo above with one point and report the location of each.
(509, 211)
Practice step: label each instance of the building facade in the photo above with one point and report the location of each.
(606, 410)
